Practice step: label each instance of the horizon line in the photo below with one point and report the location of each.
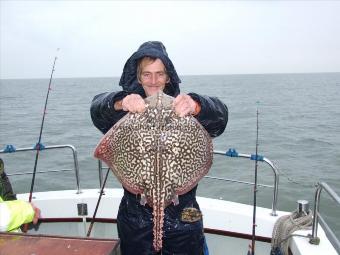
(217, 74)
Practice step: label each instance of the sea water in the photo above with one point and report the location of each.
(299, 130)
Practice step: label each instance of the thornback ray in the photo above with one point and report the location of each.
(158, 155)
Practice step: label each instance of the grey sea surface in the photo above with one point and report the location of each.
(299, 130)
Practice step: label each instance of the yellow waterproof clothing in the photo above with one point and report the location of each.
(14, 213)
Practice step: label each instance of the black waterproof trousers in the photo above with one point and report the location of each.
(135, 227)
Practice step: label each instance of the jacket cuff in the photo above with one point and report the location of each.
(198, 100)
(119, 96)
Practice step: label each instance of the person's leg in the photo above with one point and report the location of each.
(183, 229)
(187, 240)
(205, 247)
(134, 223)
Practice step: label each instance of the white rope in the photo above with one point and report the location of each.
(286, 225)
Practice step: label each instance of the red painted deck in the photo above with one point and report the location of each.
(23, 244)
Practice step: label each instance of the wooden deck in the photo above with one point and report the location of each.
(23, 244)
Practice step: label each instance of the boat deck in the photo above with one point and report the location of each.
(23, 244)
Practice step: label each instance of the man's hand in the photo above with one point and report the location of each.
(36, 214)
(184, 105)
(133, 103)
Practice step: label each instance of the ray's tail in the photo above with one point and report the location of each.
(158, 221)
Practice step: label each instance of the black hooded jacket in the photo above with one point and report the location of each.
(213, 115)
(6, 191)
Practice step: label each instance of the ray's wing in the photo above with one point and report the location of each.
(189, 154)
(120, 150)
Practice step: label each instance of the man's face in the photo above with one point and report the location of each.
(153, 77)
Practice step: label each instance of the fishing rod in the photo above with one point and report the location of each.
(38, 146)
(255, 183)
(100, 197)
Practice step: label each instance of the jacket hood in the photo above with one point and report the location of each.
(155, 49)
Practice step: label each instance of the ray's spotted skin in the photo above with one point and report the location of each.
(157, 154)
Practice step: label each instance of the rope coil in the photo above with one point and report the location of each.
(284, 228)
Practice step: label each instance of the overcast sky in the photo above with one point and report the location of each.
(202, 37)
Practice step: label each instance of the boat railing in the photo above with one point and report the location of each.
(12, 149)
(234, 154)
(317, 218)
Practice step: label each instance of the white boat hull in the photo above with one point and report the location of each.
(222, 219)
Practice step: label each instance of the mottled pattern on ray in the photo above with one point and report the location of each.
(158, 155)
